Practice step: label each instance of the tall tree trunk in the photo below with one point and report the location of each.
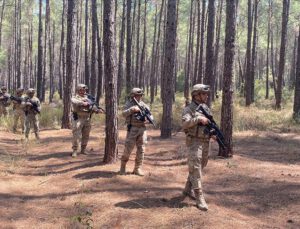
(128, 49)
(254, 52)
(200, 68)
(111, 130)
(137, 58)
(61, 51)
(169, 67)
(296, 109)
(1, 19)
(86, 46)
(268, 48)
(209, 77)
(285, 18)
(51, 62)
(40, 54)
(143, 55)
(292, 75)
(100, 61)
(70, 63)
(93, 48)
(121, 52)
(227, 99)
(248, 56)
(198, 42)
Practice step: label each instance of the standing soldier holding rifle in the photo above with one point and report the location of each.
(32, 107)
(4, 101)
(17, 109)
(197, 141)
(82, 110)
(136, 112)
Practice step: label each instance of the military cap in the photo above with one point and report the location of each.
(136, 91)
(30, 91)
(200, 88)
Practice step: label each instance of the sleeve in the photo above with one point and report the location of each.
(76, 102)
(127, 110)
(188, 120)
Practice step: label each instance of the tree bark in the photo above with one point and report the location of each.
(296, 108)
(128, 49)
(111, 130)
(86, 45)
(40, 54)
(248, 56)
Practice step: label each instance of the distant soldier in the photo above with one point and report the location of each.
(197, 141)
(18, 110)
(4, 101)
(136, 132)
(82, 110)
(32, 107)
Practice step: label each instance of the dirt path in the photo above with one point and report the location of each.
(46, 188)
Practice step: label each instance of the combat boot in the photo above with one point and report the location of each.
(138, 171)
(83, 151)
(188, 190)
(37, 136)
(200, 201)
(74, 154)
(123, 168)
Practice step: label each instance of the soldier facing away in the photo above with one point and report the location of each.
(136, 132)
(18, 110)
(32, 107)
(4, 101)
(197, 142)
(82, 111)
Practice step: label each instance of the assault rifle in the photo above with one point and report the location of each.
(4, 98)
(34, 106)
(17, 99)
(212, 128)
(92, 103)
(144, 113)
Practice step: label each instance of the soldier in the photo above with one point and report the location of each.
(18, 110)
(32, 107)
(197, 141)
(81, 118)
(4, 101)
(136, 132)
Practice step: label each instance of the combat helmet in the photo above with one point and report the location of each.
(200, 88)
(3, 88)
(30, 91)
(136, 91)
(81, 86)
(20, 91)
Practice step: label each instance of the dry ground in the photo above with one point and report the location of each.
(41, 186)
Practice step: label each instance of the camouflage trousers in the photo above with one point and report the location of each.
(198, 150)
(18, 114)
(3, 110)
(81, 129)
(31, 121)
(136, 136)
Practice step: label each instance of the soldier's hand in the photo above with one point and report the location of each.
(28, 104)
(214, 137)
(85, 104)
(135, 109)
(203, 120)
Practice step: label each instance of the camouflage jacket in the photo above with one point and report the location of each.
(131, 117)
(190, 120)
(29, 109)
(16, 105)
(78, 107)
(4, 99)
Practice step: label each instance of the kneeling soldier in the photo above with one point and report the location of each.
(82, 111)
(136, 132)
(197, 141)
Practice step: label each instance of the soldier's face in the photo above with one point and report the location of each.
(81, 91)
(138, 97)
(202, 97)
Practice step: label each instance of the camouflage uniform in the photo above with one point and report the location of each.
(4, 101)
(18, 111)
(31, 116)
(198, 148)
(136, 134)
(81, 121)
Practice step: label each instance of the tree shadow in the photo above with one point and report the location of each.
(175, 202)
(95, 175)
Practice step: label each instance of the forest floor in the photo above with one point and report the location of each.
(41, 186)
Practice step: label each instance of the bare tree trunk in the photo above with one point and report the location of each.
(296, 108)
(70, 63)
(200, 68)
(100, 61)
(1, 19)
(227, 100)
(86, 46)
(198, 42)
(209, 77)
(285, 18)
(248, 56)
(40, 54)
(137, 58)
(93, 48)
(61, 51)
(121, 52)
(268, 48)
(111, 130)
(51, 63)
(128, 49)
(254, 54)
(143, 55)
(169, 67)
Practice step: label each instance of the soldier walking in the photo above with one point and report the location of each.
(18, 110)
(193, 123)
(32, 107)
(82, 111)
(4, 101)
(136, 132)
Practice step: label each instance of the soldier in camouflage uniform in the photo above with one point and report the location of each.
(81, 119)
(31, 106)
(136, 132)
(18, 110)
(193, 123)
(4, 101)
